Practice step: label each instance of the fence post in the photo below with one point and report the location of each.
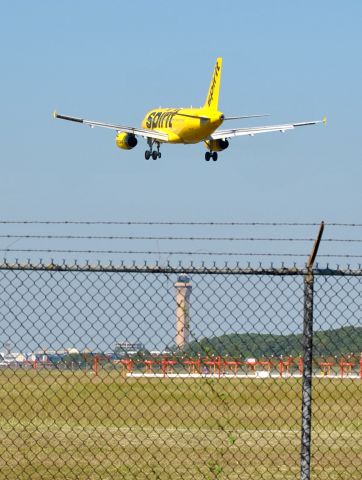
(306, 427)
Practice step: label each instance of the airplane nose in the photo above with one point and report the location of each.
(222, 116)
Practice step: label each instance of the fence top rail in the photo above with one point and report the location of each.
(180, 268)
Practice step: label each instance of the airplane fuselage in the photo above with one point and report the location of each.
(183, 125)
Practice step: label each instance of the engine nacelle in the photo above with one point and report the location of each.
(126, 141)
(216, 145)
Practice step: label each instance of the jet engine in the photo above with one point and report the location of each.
(216, 145)
(126, 141)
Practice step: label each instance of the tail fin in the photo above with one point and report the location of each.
(212, 98)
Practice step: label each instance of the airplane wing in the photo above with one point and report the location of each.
(142, 132)
(251, 131)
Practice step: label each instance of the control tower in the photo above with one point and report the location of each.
(183, 292)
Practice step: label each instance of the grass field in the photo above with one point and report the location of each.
(74, 425)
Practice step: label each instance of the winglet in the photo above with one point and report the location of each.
(324, 120)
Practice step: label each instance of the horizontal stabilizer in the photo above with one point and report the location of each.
(189, 115)
(248, 116)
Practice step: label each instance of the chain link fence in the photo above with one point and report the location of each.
(177, 373)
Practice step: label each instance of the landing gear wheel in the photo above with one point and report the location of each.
(154, 155)
(159, 154)
(147, 154)
(214, 156)
(207, 156)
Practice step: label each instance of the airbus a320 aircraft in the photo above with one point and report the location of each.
(187, 125)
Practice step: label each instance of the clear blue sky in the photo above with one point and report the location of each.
(114, 60)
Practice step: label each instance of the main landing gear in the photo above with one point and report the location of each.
(155, 154)
(212, 155)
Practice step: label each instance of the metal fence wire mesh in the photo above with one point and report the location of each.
(146, 373)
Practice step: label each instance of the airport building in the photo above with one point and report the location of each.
(128, 348)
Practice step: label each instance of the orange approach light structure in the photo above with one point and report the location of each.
(183, 293)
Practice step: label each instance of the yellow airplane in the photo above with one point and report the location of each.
(187, 125)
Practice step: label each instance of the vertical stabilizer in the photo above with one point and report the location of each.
(212, 98)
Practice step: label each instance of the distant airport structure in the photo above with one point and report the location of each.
(128, 348)
(183, 293)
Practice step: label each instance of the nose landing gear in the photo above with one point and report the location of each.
(155, 154)
(209, 155)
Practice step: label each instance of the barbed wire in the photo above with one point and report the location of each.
(172, 238)
(134, 237)
(151, 252)
(148, 250)
(135, 222)
(145, 252)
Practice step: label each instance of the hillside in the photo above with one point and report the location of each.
(337, 342)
